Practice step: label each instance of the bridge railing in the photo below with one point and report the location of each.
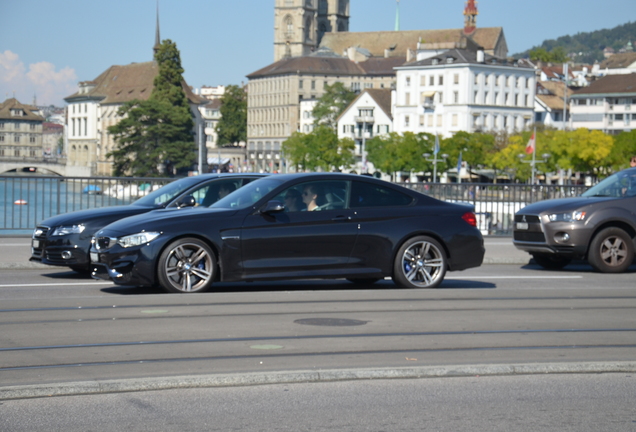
(27, 200)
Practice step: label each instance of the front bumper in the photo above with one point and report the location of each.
(68, 251)
(566, 239)
(125, 266)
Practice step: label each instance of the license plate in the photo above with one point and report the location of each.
(35, 244)
(522, 225)
(94, 257)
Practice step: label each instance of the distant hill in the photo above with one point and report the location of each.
(588, 47)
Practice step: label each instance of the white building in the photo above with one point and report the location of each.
(464, 90)
(608, 104)
(306, 115)
(549, 104)
(369, 115)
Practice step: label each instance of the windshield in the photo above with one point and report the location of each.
(248, 195)
(165, 194)
(619, 185)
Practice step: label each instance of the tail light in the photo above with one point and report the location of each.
(470, 218)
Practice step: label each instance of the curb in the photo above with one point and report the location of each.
(268, 378)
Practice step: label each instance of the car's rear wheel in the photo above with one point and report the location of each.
(187, 265)
(611, 251)
(420, 263)
(551, 262)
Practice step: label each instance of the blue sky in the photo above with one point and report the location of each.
(47, 47)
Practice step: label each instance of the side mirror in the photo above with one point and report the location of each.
(273, 206)
(187, 201)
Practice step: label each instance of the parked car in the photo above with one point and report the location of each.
(598, 226)
(345, 226)
(64, 240)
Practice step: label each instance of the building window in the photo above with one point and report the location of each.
(439, 120)
(31, 139)
(454, 120)
(431, 80)
(423, 81)
(476, 95)
(408, 81)
(456, 79)
(300, 84)
(32, 126)
(1, 125)
(407, 121)
(407, 99)
(16, 126)
(421, 120)
(16, 153)
(313, 85)
(440, 80)
(456, 97)
(16, 138)
(1, 138)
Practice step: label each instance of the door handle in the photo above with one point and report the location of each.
(341, 218)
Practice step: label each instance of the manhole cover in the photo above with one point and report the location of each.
(334, 322)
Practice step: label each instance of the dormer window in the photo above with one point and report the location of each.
(17, 112)
(435, 61)
(450, 59)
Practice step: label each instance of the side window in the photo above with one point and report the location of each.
(371, 195)
(315, 196)
(211, 192)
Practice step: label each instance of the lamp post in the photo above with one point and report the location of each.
(533, 162)
(435, 162)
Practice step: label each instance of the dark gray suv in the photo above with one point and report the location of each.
(599, 226)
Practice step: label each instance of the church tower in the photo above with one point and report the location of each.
(470, 17)
(300, 24)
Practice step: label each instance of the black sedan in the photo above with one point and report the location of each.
(65, 240)
(294, 226)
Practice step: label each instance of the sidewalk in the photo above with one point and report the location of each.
(16, 251)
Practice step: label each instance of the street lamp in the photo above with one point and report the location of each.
(533, 162)
(434, 161)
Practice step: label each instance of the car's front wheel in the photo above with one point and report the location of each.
(187, 265)
(611, 251)
(420, 263)
(551, 262)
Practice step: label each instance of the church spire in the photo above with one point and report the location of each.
(397, 16)
(157, 38)
(470, 20)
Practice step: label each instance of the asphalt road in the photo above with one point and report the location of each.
(59, 328)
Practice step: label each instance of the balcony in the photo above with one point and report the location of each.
(364, 119)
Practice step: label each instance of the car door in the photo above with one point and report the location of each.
(301, 243)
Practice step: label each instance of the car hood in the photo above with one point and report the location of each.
(160, 220)
(562, 204)
(86, 216)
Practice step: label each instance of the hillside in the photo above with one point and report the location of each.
(588, 47)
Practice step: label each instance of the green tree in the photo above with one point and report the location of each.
(232, 127)
(331, 104)
(156, 133)
(394, 153)
(556, 55)
(320, 149)
(623, 150)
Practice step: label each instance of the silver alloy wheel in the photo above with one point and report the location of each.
(423, 264)
(613, 251)
(188, 267)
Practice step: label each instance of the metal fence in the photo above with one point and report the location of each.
(27, 200)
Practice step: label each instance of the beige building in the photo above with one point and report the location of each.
(20, 131)
(275, 92)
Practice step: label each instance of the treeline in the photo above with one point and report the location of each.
(576, 151)
(588, 47)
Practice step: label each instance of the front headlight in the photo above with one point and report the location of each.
(567, 217)
(137, 239)
(71, 229)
